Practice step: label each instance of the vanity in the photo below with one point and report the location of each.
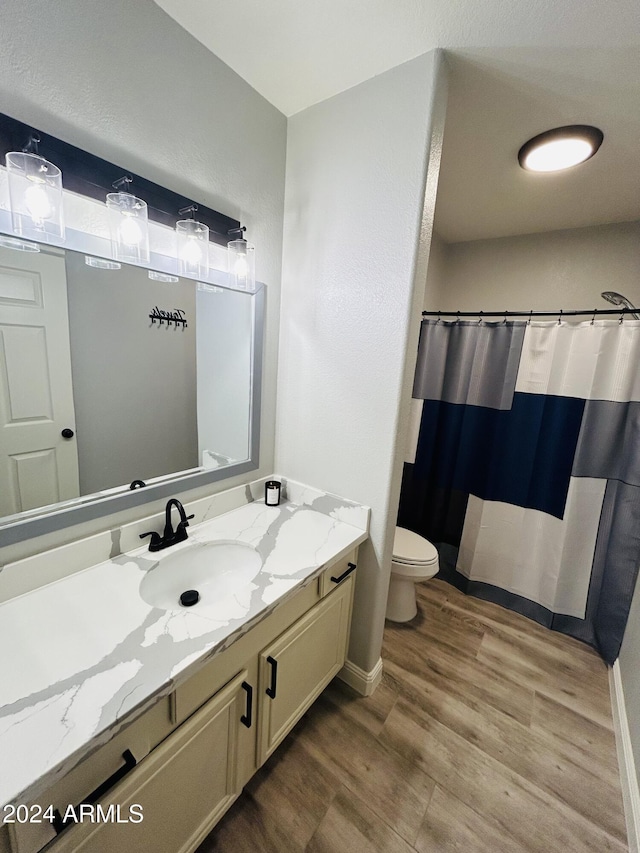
(138, 719)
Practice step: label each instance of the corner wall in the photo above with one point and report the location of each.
(355, 188)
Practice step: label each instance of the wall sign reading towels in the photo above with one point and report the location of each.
(177, 316)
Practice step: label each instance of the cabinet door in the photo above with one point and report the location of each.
(299, 664)
(181, 789)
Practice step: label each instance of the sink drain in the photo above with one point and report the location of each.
(189, 597)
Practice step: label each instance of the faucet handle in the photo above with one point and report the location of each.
(182, 524)
(155, 539)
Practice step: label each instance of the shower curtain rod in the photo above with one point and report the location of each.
(559, 314)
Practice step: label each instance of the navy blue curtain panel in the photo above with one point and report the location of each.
(525, 470)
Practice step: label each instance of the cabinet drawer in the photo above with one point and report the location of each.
(180, 790)
(337, 573)
(299, 665)
(139, 738)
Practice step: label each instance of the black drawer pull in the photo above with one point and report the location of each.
(246, 718)
(58, 822)
(271, 690)
(352, 568)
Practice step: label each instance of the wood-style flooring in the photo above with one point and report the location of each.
(488, 734)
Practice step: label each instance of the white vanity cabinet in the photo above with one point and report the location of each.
(219, 727)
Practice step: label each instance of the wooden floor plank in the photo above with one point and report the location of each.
(466, 677)
(575, 689)
(537, 820)
(451, 826)
(571, 733)
(281, 806)
(350, 826)
(395, 787)
(528, 753)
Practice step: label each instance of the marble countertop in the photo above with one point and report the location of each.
(85, 655)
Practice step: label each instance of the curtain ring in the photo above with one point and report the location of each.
(480, 318)
(458, 318)
(504, 321)
(530, 316)
(560, 316)
(593, 318)
(621, 318)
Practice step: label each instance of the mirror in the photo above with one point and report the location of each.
(111, 375)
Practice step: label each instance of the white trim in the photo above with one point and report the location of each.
(363, 682)
(626, 762)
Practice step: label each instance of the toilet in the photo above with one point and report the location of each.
(414, 559)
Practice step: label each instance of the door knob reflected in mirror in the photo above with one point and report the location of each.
(67, 433)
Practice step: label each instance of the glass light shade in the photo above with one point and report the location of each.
(242, 264)
(193, 247)
(35, 197)
(560, 148)
(129, 227)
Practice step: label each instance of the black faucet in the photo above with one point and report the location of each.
(170, 536)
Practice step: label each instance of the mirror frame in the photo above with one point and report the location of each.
(88, 176)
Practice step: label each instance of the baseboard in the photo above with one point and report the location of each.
(626, 762)
(363, 682)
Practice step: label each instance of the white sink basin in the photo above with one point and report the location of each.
(217, 570)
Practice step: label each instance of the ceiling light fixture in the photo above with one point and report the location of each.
(128, 223)
(193, 244)
(35, 194)
(242, 261)
(560, 148)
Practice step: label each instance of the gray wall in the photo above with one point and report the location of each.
(356, 167)
(134, 381)
(558, 269)
(124, 81)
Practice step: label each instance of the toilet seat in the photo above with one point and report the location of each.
(412, 550)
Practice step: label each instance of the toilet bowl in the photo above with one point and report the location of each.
(414, 559)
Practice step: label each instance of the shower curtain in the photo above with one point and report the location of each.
(524, 468)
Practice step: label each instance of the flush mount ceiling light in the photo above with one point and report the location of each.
(35, 194)
(193, 244)
(128, 223)
(242, 261)
(560, 148)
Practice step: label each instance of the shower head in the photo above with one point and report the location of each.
(620, 300)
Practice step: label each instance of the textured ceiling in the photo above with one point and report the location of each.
(299, 52)
(502, 98)
(518, 67)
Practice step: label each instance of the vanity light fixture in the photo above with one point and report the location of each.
(192, 239)
(18, 245)
(101, 263)
(242, 261)
(560, 148)
(128, 223)
(35, 194)
(162, 276)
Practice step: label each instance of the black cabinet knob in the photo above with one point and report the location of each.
(67, 433)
